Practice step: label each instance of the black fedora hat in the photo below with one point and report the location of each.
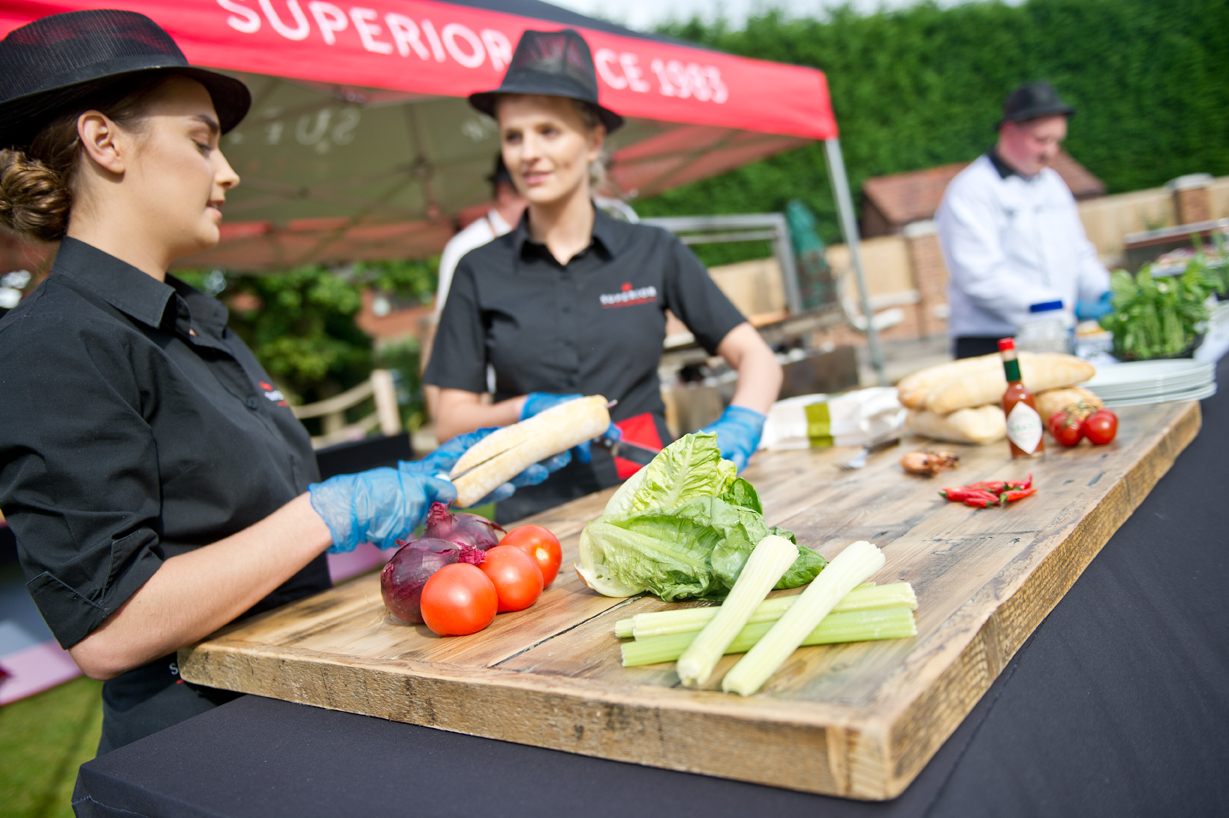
(554, 64)
(61, 60)
(1033, 100)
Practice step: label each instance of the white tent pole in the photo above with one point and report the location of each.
(849, 228)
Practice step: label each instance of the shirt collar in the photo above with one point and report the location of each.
(129, 290)
(1005, 170)
(603, 236)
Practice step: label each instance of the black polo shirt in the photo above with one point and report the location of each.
(136, 426)
(593, 326)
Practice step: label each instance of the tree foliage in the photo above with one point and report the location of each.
(924, 86)
(301, 323)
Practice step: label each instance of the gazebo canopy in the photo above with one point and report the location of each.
(360, 144)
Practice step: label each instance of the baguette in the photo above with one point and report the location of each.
(1054, 400)
(505, 453)
(974, 386)
(913, 391)
(980, 425)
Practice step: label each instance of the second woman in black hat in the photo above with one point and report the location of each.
(573, 302)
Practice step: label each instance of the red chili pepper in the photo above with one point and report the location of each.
(1012, 496)
(1020, 485)
(981, 502)
(955, 494)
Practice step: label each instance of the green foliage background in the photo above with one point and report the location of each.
(301, 326)
(924, 86)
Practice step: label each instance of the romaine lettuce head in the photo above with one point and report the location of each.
(695, 550)
(689, 467)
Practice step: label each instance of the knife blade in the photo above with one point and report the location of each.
(640, 455)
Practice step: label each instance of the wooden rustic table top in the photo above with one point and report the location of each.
(857, 720)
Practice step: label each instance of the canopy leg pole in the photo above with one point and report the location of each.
(849, 229)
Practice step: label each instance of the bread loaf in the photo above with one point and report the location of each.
(1054, 400)
(980, 425)
(980, 381)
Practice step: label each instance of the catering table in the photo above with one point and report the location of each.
(1117, 705)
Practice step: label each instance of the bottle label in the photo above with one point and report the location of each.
(1024, 427)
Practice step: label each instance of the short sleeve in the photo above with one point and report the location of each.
(79, 478)
(693, 296)
(458, 354)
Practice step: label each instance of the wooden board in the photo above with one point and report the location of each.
(855, 720)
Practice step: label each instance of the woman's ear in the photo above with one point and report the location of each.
(101, 140)
(597, 140)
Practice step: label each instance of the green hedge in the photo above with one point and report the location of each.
(924, 86)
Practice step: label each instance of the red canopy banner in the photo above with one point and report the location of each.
(442, 49)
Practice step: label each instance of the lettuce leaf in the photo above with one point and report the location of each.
(683, 527)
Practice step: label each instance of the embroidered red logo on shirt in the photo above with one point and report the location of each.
(274, 395)
(630, 296)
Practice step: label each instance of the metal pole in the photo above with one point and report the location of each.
(849, 228)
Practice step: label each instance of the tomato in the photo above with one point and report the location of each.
(540, 544)
(1066, 428)
(458, 599)
(516, 577)
(1101, 426)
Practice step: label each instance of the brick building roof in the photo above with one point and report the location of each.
(909, 197)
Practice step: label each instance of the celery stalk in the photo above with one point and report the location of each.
(854, 565)
(685, 620)
(849, 626)
(768, 562)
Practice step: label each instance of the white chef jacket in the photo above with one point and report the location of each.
(1010, 242)
(480, 232)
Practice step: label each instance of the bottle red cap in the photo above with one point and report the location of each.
(1006, 344)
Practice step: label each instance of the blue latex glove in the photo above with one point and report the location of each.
(738, 433)
(446, 456)
(379, 506)
(537, 402)
(1092, 310)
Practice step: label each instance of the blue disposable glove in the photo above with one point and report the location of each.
(738, 433)
(537, 402)
(379, 506)
(1092, 310)
(446, 456)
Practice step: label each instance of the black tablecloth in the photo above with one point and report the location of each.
(1118, 705)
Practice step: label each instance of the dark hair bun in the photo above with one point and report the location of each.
(34, 200)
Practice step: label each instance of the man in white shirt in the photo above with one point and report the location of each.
(1010, 232)
(500, 219)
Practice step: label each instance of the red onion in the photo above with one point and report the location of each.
(462, 529)
(404, 575)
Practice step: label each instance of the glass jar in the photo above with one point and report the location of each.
(1049, 328)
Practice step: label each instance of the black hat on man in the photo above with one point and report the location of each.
(59, 61)
(1033, 100)
(554, 64)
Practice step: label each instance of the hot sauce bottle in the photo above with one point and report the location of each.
(1024, 424)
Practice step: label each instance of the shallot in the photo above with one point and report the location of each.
(403, 577)
(928, 463)
(461, 528)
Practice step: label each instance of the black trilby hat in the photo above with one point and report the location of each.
(1033, 100)
(552, 63)
(59, 61)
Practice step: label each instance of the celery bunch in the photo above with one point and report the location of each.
(833, 608)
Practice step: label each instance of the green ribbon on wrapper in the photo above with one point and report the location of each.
(819, 424)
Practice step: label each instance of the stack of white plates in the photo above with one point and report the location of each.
(1134, 384)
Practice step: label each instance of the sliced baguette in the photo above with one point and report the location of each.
(504, 454)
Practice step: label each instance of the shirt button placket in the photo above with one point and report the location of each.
(253, 403)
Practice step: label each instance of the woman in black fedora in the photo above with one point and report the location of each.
(573, 302)
(157, 484)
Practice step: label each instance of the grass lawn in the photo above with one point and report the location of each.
(43, 740)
